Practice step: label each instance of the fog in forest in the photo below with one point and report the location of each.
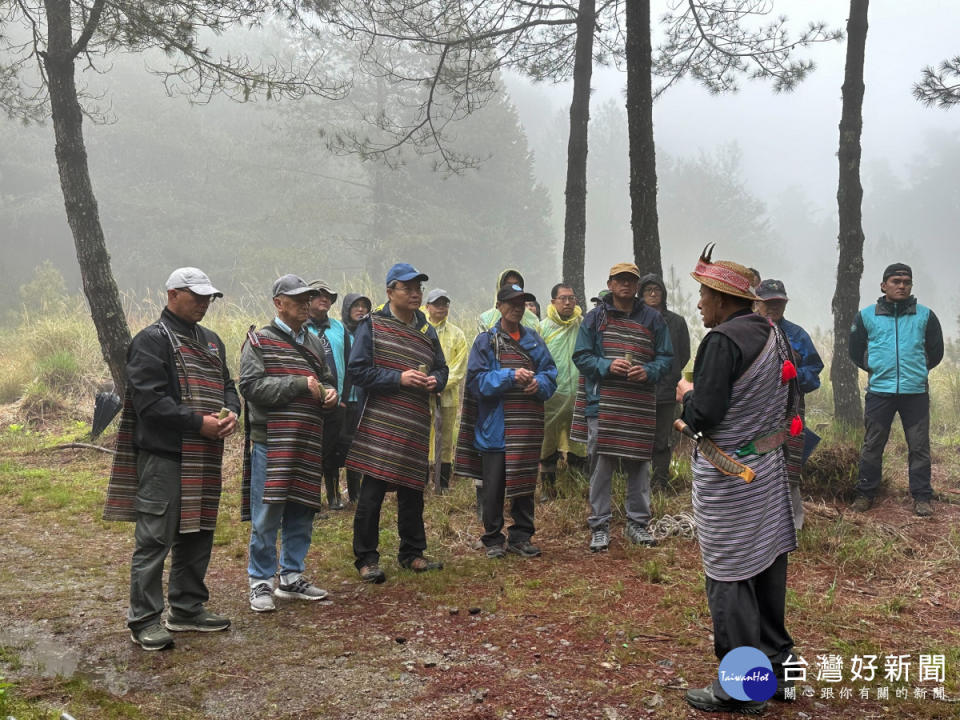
(250, 191)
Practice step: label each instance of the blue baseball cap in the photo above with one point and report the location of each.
(404, 272)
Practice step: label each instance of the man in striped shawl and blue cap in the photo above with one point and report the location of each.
(398, 363)
(740, 408)
(180, 404)
(287, 386)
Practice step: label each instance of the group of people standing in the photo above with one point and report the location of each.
(379, 393)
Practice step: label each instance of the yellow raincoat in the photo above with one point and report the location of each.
(455, 350)
(490, 317)
(561, 338)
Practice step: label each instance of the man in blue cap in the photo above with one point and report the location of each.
(398, 363)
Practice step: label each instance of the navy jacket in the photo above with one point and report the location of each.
(371, 378)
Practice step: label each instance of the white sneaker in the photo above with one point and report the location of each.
(300, 589)
(261, 598)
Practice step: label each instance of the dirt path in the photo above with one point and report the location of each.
(568, 635)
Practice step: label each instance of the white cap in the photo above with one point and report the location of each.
(192, 279)
(436, 294)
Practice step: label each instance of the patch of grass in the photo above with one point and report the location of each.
(653, 572)
(59, 369)
(894, 606)
(10, 659)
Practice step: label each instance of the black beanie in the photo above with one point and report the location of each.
(897, 269)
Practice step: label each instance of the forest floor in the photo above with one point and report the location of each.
(568, 635)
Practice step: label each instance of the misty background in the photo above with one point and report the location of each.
(249, 191)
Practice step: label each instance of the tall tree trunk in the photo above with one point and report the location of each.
(643, 159)
(575, 219)
(846, 298)
(82, 215)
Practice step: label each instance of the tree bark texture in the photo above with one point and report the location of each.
(846, 298)
(575, 218)
(83, 216)
(643, 160)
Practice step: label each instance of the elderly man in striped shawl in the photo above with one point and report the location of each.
(287, 385)
(622, 350)
(180, 404)
(510, 373)
(398, 363)
(741, 408)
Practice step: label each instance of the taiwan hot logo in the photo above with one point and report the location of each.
(746, 674)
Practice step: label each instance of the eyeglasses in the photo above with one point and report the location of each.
(652, 291)
(409, 289)
(567, 298)
(200, 298)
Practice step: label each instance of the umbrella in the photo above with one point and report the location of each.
(105, 409)
(810, 442)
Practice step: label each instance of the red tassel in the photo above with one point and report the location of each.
(788, 372)
(796, 426)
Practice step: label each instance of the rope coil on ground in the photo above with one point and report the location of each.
(679, 525)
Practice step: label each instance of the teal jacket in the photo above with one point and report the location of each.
(897, 344)
(588, 354)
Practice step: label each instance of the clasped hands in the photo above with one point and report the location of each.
(637, 373)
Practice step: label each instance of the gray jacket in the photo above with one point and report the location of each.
(263, 392)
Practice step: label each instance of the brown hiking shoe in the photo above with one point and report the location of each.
(372, 574)
(421, 564)
(861, 504)
(923, 508)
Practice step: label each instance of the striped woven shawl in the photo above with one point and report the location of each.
(523, 424)
(794, 448)
(578, 427)
(392, 441)
(523, 428)
(200, 373)
(742, 528)
(627, 416)
(294, 432)
(468, 461)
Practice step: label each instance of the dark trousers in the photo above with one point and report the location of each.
(366, 523)
(663, 443)
(751, 612)
(494, 489)
(351, 420)
(878, 412)
(157, 533)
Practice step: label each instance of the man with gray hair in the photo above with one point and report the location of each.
(287, 387)
(179, 405)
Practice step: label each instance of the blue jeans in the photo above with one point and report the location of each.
(293, 520)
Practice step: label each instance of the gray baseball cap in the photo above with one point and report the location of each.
(193, 279)
(436, 294)
(292, 285)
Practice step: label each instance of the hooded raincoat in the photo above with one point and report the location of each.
(561, 338)
(455, 350)
(679, 338)
(491, 317)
